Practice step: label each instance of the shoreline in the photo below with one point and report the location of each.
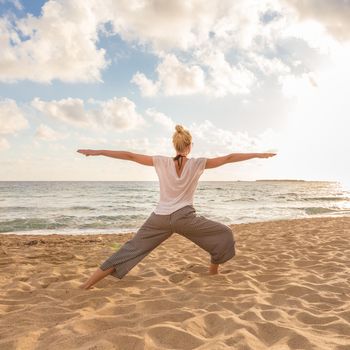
(127, 231)
(288, 287)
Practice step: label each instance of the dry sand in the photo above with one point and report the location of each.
(287, 288)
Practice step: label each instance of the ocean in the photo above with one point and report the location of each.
(83, 207)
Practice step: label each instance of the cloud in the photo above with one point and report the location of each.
(69, 110)
(146, 86)
(215, 141)
(116, 113)
(177, 78)
(16, 3)
(226, 41)
(225, 78)
(165, 25)
(268, 66)
(44, 132)
(119, 113)
(4, 144)
(209, 139)
(207, 47)
(59, 44)
(298, 85)
(174, 78)
(187, 25)
(12, 119)
(157, 145)
(91, 140)
(333, 15)
(161, 119)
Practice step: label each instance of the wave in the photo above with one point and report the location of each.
(21, 208)
(326, 199)
(29, 225)
(14, 208)
(81, 207)
(70, 222)
(318, 210)
(242, 199)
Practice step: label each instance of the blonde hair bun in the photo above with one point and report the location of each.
(181, 138)
(179, 128)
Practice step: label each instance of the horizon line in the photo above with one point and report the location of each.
(257, 180)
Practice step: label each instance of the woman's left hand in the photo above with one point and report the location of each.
(88, 152)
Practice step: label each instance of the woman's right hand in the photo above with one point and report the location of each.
(88, 152)
(265, 155)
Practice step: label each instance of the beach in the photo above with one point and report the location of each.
(288, 287)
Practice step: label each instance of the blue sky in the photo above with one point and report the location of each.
(245, 76)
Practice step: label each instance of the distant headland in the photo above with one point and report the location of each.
(284, 180)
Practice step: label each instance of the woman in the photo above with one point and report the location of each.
(178, 180)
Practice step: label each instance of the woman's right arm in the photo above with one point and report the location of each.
(135, 157)
(114, 154)
(234, 157)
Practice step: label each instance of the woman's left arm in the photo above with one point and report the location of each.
(126, 155)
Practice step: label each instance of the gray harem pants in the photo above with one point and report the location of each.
(214, 237)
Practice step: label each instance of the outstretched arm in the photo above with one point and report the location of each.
(126, 155)
(234, 157)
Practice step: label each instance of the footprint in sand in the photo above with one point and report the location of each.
(178, 277)
(172, 337)
(200, 269)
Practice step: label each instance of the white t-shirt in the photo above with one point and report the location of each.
(176, 192)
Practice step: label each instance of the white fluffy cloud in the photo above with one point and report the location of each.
(69, 110)
(44, 132)
(179, 79)
(59, 44)
(301, 85)
(185, 25)
(12, 119)
(334, 15)
(146, 86)
(215, 141)
(174, 78)
(143, 145)
(116, 113)
(211, 47)
(164, 24)
(204, 35)
(161, 118)
(119, 113)
(225, 78)
(209, 139)
(269, 66)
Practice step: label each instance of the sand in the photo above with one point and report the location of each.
(288, 287)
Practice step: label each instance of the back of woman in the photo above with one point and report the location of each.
(176, 191)
(174, 213)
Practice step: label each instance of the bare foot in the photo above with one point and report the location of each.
(213, 269)
(85, 286)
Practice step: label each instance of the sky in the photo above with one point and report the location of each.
(244, 76)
